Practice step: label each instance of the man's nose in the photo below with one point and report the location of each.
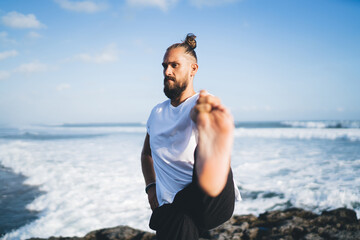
(168, 71)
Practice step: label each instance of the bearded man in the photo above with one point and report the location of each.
(186, 154)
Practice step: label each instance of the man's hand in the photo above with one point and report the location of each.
(152, 198)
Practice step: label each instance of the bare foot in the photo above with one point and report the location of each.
(215, 127)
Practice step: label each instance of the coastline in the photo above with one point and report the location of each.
(293, 223)
(15, 195)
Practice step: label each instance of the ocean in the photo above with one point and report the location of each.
(70, 179)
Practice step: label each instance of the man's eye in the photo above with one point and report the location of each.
(174, 65)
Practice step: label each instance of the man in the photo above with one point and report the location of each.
(186, 154)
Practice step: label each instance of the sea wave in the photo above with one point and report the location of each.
(87, 184)
(91, 125)
(300, 133)
(37, 136)
(60, 132)
(249, 129)
(322, 124)
(252, 124)
(95, 183)
(299, 124)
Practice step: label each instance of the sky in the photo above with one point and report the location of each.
(89, 61)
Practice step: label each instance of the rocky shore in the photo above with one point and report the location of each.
(288, 224)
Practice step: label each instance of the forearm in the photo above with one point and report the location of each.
(147, 164)
(147, 167)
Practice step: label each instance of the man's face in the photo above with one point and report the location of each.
(176, 66)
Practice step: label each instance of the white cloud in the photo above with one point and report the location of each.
(4, 75)
(63, 86)
(32, 67)
(19, 20)
(109, 54)
(4, 37)
(7, 54)
(81, 6)
(162, 4)
(201, 3)
(340, 109)
(33, 35)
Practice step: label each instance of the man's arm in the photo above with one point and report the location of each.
(147, 167)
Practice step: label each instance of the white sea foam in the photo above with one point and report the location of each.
(299, 133)
(315, 175)
(92, 183)
(88, 184)
(323, 124)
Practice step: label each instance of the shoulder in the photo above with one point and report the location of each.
(157, 109)
(160, 107)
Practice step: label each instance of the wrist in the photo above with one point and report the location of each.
(150, 185)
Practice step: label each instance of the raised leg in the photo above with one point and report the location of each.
(215, 127)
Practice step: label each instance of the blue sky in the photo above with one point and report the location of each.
(67, 61)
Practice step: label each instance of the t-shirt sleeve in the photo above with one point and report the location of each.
(148, 123)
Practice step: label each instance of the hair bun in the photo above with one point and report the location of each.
(190, 40)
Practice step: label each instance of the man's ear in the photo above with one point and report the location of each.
(194, 68)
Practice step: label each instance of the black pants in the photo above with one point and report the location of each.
(193, 211)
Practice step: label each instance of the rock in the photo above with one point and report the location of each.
(312, 236)
(116, 233)
(342, 215)
(122, 232)
(253, 233)
(290, 224)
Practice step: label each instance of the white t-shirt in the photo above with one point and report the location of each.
(173, 139)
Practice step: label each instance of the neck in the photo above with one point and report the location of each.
(184, 95)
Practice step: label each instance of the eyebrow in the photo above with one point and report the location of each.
(167, 63)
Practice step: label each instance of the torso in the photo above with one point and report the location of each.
(172, 141)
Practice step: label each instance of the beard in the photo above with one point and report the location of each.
(174, 92)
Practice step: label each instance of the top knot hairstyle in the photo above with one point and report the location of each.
(189, 44)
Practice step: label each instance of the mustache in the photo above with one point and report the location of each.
(169, 78)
